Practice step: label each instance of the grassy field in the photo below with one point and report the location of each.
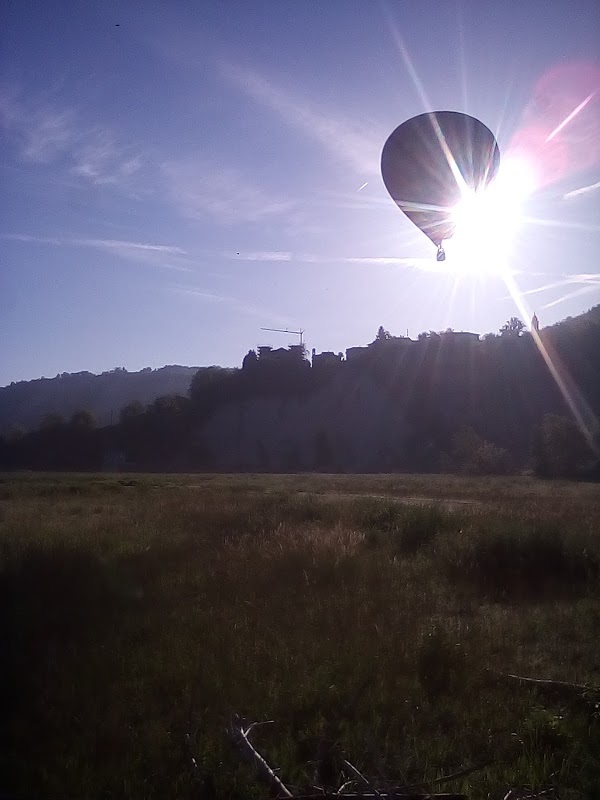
(371, 617)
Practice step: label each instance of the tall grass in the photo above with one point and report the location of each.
(366, 615)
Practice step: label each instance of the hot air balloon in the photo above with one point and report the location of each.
(427, 163)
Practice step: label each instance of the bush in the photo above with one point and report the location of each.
(474, 455)
(534, 561)
(419, 528)
(559, 448)
(440, 663)
(408, 528)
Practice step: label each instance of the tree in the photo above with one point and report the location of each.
(84, 421)
(131, 412)
(51, 422)
(382, 334)
(16, 433)
(476, 456)
(559, 448)
(250, 359)
(465, 444)
(323, 457)
(168, 404)
(513, 327)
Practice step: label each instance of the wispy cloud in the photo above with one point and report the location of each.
(262, 255)
(102, 161)
(25, 237)
(201, 189)
(592, 279)
(234, 302)
(43, 134)
(406, 262)
(584, 283)
(136, 247)
(315, 258)
(575, 293)
(356, 145)
(161, 255)
(48, 134)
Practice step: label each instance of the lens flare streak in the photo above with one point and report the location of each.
(576, 404)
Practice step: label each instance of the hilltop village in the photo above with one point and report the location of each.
(383, 345)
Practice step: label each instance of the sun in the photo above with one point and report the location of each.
(486, 221)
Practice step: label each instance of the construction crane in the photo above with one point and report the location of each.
(286, 330)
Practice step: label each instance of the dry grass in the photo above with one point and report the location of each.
(363, 613)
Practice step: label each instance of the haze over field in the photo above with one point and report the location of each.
(176, 176)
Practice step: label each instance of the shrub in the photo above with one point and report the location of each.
(529, 561)
(474, 455)
(559, 449)
(419, 528)
(408, 528)
(441, 663)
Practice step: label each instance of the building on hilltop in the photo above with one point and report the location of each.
(295, 354)
(326, 360)
(356, 353)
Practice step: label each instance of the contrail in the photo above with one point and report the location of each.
(583, 190)
(568, 118)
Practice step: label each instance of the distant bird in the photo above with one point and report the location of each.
(117, 25)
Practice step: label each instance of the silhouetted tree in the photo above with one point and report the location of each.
(15, 434)
(559, 448)
(382, 334)
(476, 456)
(52, 422)
(323, 453)
(130, 412)
(250, 359)
(84, 420)
(513, 327)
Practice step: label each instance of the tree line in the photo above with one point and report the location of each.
(504, 404)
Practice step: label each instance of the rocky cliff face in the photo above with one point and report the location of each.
(350, 424)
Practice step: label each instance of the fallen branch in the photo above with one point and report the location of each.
(239, 736)
(360, 777)
(388, 794)
(563, 686)
(454, 776)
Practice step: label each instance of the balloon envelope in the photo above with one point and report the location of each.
(427, 158)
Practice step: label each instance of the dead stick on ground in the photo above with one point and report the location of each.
(387, 794)
(562, 687)
(578, 687)
(453, 776)
(544, 683)
(360, 777)
(240, 739)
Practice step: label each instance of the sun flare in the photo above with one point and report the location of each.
(486, 221)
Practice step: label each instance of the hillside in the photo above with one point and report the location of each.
(589, 317)
(449, 401)
(26, 403)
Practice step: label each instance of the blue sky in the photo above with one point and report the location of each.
(175, 176)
